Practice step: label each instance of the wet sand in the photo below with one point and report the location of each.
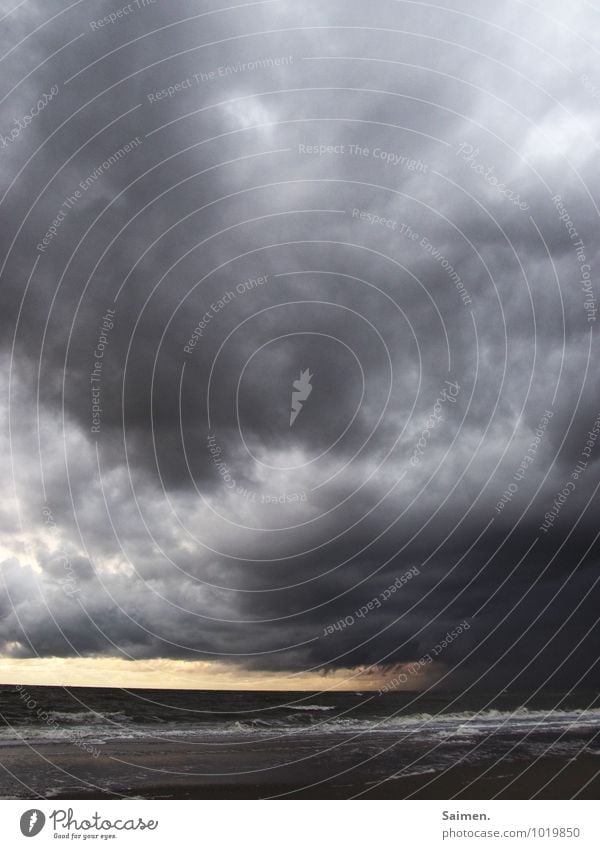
(248, 770)
(543, 780)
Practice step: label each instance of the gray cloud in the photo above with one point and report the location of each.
(458, 132)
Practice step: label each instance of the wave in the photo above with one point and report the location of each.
(521, 718)
(443, 727)
(85, 717)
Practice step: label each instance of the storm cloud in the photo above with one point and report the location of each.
(387, 211)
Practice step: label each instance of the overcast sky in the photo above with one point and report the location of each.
(393, 204)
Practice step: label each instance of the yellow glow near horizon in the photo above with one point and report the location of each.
(192, 675)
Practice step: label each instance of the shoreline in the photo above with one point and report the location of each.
(548, 778)
(153, 770)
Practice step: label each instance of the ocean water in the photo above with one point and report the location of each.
(275, 737)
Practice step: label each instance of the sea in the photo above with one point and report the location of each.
(55, 741)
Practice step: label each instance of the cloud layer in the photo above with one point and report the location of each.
(401, 201)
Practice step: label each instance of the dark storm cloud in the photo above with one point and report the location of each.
(438, 336)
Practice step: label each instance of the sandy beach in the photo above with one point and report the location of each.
(246, 770)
